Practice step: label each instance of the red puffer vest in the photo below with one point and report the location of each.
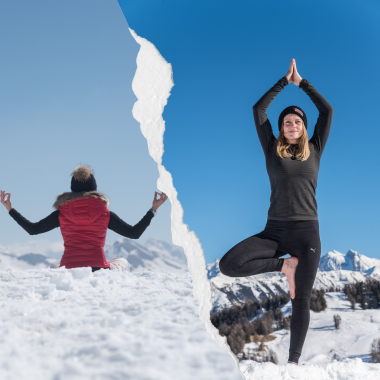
(83, 218)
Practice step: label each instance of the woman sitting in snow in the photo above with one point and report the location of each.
(84, 217)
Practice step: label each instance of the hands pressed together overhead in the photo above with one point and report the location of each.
(292, 74)
(157, 202)
(6, 201)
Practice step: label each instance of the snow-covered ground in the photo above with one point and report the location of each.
(351, 342)
(348, 369)
(74, 324)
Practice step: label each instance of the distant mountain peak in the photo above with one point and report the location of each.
(156, 245)
(352, 260)
(155, 256)
(213, 269)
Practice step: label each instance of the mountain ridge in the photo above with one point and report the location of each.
(228, 291)
(155, 256)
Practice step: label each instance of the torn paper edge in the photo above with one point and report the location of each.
(152, 84)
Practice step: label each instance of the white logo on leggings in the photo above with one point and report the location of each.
(313, 249)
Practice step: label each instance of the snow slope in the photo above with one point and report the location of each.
(24, 261)
(228, 291)
(44, 247)
(156, 256)
(349, 369)
(74, 324)
(352, 342)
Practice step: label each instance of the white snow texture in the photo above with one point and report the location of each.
(344, 370)
(351, 342)
(69, 324)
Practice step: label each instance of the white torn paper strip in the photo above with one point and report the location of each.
(152, 84)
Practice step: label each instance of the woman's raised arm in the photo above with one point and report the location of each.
(323, 126)
(44, 225)
(122, 228)
(118, 225)
(263, 126)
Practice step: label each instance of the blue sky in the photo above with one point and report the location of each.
(66, 98)
(225, 55)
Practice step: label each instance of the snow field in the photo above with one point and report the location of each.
(352, 342)
(348, 369)
(74, 324)
(353, 339)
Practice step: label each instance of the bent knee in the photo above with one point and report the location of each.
(223, 267)
(120, 264)
(227, 268)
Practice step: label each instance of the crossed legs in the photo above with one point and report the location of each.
(261, 254)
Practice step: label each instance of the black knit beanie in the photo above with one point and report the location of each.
(296, 111)
(82, 179)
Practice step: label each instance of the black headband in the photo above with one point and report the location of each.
(294, 110)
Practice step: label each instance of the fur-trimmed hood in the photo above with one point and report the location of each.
(71, 196)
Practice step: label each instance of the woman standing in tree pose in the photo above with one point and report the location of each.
(292, 163)
(84, 217)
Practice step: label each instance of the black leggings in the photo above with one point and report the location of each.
(260, 254)
(94, 269)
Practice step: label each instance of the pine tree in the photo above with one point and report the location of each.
(286, 323)
(352, 300)
(337, 320)
(322, 299)
(375, 351)
(318, 301)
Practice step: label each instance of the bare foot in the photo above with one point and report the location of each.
(289, 268)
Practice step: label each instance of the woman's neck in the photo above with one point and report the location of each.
(292, 142)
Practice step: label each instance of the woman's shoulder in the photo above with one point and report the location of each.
(67, 197)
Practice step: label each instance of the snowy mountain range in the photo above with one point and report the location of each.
(23, 261)
(155, 256)
(335, 269)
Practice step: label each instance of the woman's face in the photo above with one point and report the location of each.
(293, 128)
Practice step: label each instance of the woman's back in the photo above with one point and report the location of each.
(84, 217)
(84, 221)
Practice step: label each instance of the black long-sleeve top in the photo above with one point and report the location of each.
(52, 221)
(293, 182)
